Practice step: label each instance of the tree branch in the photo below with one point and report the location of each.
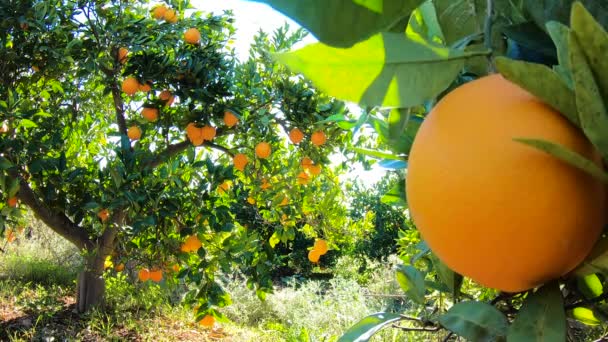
(58, 222)
(431, 329)
(119, 108)
(174, 149)
(487, 32)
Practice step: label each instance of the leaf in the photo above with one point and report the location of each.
(475, 321)
(585, 316)
(559, 34)
(564, 154)
(376, 154)
(541, 317)
(5, 163)
(424, 24)
(274, 240)
(367, 327)
(411, 282)
(450, 278)
(387, 70)
(594, 39)
(590, 285)
(396, 196)
(543, 82)
(591, 108)
(529, 36)
(543, 11)
(26, 123)
(343, 23)
(596, 262)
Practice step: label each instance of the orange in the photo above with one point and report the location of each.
(230, 119)
(120, 267)
(306, 162)
(207, 321)
(122, 55)
(284, 202)
(150, 114)
(318, 138)
(170, 16)
(315, 170)
(192, 36)
(192, 244)
(195, 134)
(143, 274)
(208, 133)
(240, 161)
(166, 97)
(134, 133)
(130, 86)
(507, 215)
(262, 150)
(313, 256)
(145, 87)
(175, 268)
(251, 200)
(156, 275)
(103, 215)
(320, 246)
(296, 136)
(159, 12)
(12, 201)
(303, 178)
(265, 185)
(222, 188)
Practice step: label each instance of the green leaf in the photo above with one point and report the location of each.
(543, 82)
(564, 154)
(26, 123)
(450, 278)
(396, 196)
(343, 23)
(541, 318)
(543, 11)
(585, 316)
(367, 327)
(591, 108)
(596, 262)
(594, 39)
(274, 240)
(5, 163)
(387, 70)
(411, 282)
(424, 24)
(590, 285)
(559, 34)
(475, 321)
(376, 154)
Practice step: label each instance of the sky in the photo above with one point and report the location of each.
(252, 16)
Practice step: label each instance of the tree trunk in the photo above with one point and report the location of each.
(90, 288)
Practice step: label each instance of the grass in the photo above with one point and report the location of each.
(37, 283)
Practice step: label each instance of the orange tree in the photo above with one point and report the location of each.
(121, 127)
(491, 164)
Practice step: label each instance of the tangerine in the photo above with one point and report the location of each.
(192, 36)
(143, 274)
(134, 133)
(296, 136)
(263, 150)
(150, 114)
(230, 119)
(318, 138)
(240, 161)
(130, 86)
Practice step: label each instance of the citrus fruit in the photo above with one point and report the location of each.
(315, 170)
(313, 256)
(208, 133)
(296, 136)
(192, 36)
(150, 114)
(306, 162)
(192, 244)
(159, 12)
(120, 267)
(122, 55)
(262, 150)
(230, 119)
(170, 16)
(166, 97)
(143, 274)
(145, 87)
(265, 185)
(318, 138)
(195, 134)
(251, 200)
(320, 246)
(240, 161)
(103, 214)
(134, 133)
(156, 275)
(507, 215)
(303, 178)
(130, 86)
(12, 202)
(207, 321)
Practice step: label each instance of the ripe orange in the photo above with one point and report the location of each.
(230, 119)
(207, 321)
(502, 213)
(156, 275)
(303, 178)
(315, 170)
(103, 215)
(166, 97)
(170, 16)
(318, 138)
(12, 201)
(130, 86)
(222, 188)
(195, 134)
(150, 114)
(175, 267)
(122, 55)
(263, 150)
(320, 246)
(265, 185)
(240, 161)
(296, 136)
(192, 244)
(134, 133)
(208, 133)
(145, 87)
(313, 256)
(120, 267)
(143, 274)
(159, 12)
(192, 36)
(306, 162)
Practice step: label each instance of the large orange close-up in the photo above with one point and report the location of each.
(507, 215)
